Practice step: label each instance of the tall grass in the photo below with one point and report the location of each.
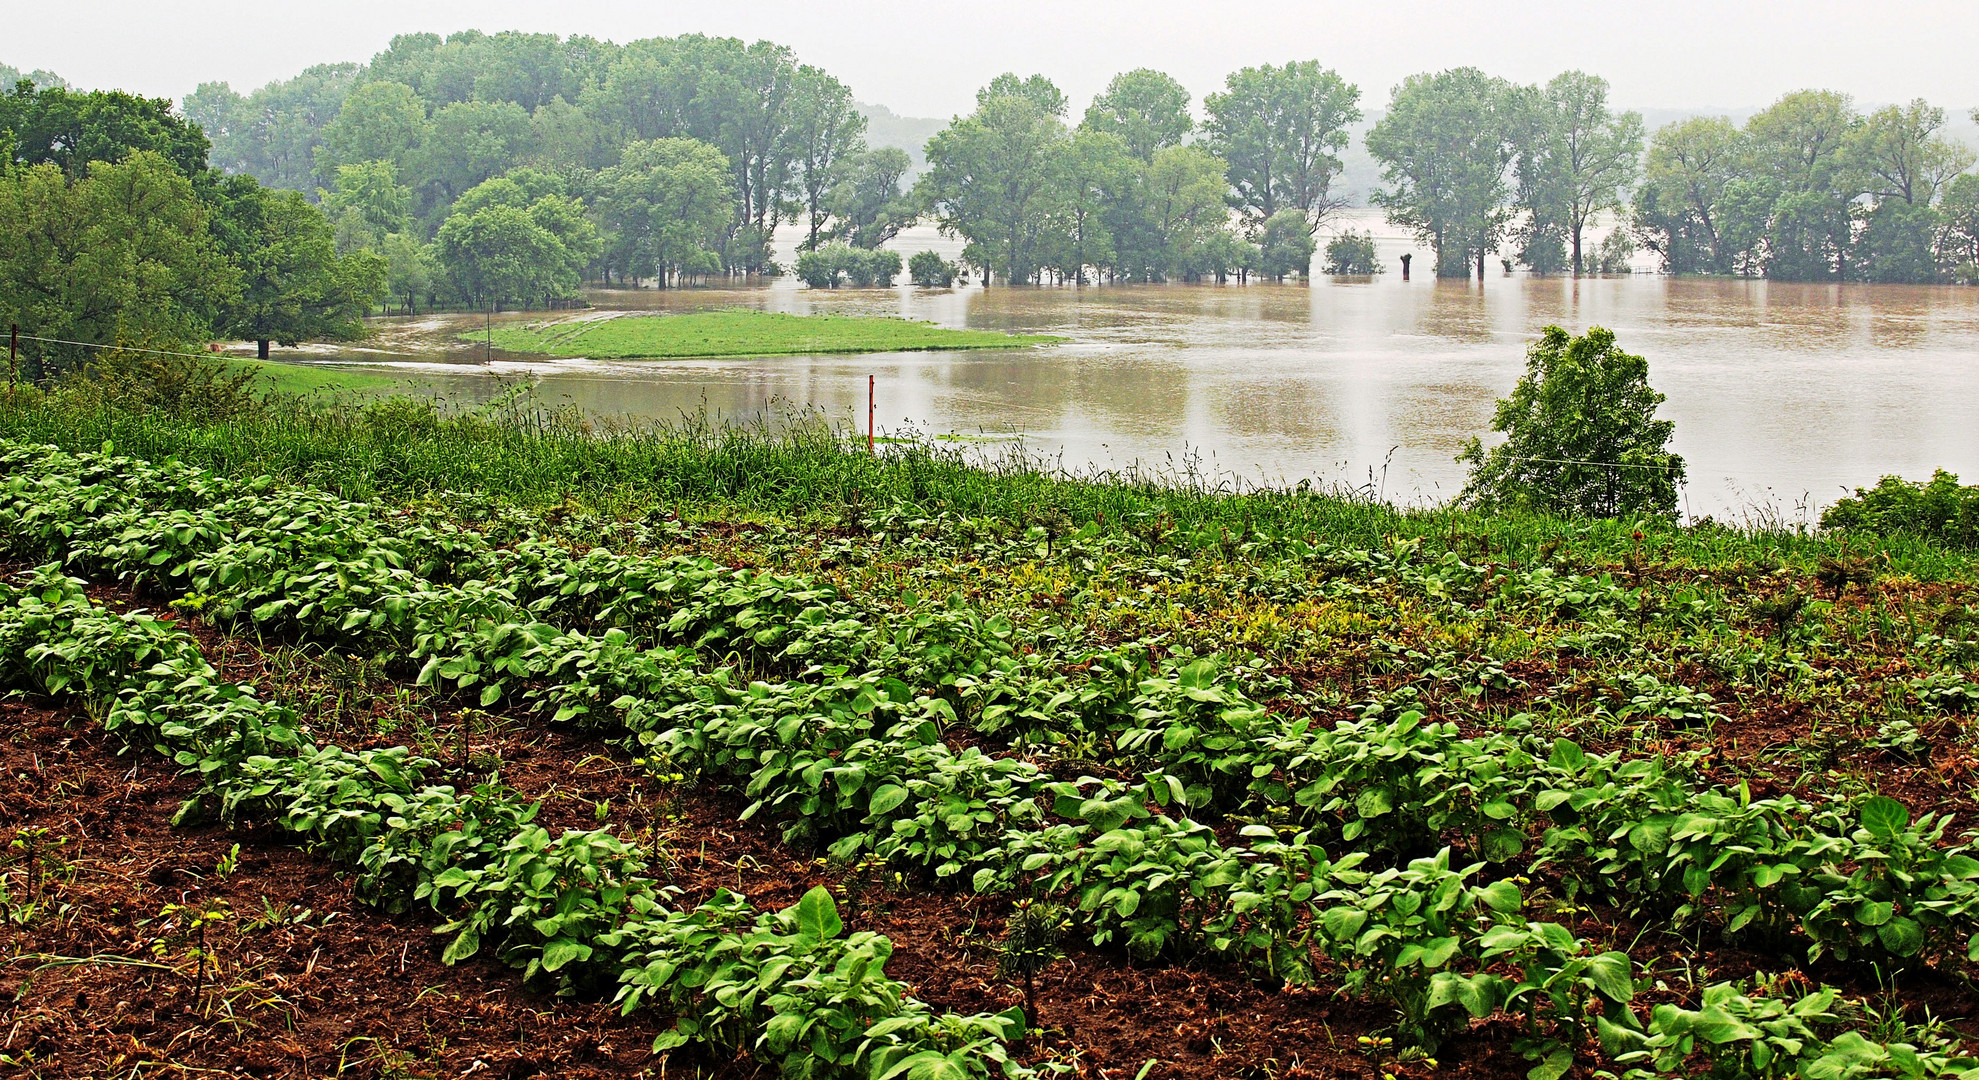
(801, 466)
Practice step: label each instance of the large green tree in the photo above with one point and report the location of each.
(367, 204)
(1795, 206)
(527, 70)
(825, 132)
(664, 208)
(865, 205)
(1147, 109)
(116, 253)
(1280, 129)
(1958, 242)
(1184, 192)
(993, 179)
(1680, 208)
(494, 250)
(1100, 187)
(295, 287)
(1903, 163)
(273, 133)
(466, 143)
(71, 130)
(379, 121)
(1444, 145)
(1575, 158)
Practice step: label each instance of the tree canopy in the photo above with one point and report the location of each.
(1581, 432)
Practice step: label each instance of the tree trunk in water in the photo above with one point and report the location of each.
(1576, 252)
(1480, 266)
(261, 348)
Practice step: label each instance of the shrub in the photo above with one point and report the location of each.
(1938, 510)
(868, 269)
(818, 268)
(1352, 253)
(1613, 256)
(823, 267)
(1583, 438)
(1286, 245)
(931, 271)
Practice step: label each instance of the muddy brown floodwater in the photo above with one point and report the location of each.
(1784, 395)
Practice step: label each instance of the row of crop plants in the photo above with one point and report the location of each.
(840, 737)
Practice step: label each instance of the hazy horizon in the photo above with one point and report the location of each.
(1682, 58)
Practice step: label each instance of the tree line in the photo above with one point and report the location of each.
(483, 170)
(115, 230)
(664, 160)
(1473, 166)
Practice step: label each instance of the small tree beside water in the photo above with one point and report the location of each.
(1582, 437)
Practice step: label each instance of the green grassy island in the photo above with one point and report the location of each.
(744, 333)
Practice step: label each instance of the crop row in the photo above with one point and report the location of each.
(577, 907)
(857, 758)
(861, 755)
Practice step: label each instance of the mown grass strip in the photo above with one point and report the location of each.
(744, 333)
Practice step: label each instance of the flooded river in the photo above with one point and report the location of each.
(1783, 395)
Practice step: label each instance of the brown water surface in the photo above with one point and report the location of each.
(1783, 395)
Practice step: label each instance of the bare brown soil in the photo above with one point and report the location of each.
(305, 981)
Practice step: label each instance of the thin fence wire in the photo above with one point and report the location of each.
(212, 354)
(120, 348)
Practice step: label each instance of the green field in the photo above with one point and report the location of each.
(744, 333)
(288, 378)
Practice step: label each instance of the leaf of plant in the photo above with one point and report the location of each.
(817, 915)
(1374, 802)
(1611, 977)
(558, 953)
(1874, 912)
(1501, 896)
(1901, 936)
(886, 798)
(1884, 817)
(1557, 1062)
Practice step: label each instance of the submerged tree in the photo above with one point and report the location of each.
(664, 207)
(1582, 436)
(825, 131)
(1279, 131)
(1352, 253)
(1444, 145)
(992, 177)
(1680, 208)
(1575, 159)
(865, 203)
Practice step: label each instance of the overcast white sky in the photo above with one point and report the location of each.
(927, 58)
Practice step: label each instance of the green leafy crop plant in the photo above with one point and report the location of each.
(830, 714)
(575, 906)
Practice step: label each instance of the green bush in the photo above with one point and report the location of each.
(1285, 246)
(931, 271)
(1582, 435)
(1352, 253)
(824, 267)
(1939, 510)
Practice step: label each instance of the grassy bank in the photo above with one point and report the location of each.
(286, 378)
(743, 333)
(803, 468)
